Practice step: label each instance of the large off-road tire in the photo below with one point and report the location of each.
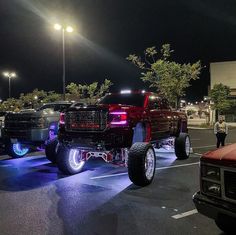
(69, 160)
(226, 224)
(141, 163)
(16, 150)
(182, 146)
(51, 150)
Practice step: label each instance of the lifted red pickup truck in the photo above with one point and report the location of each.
(122, 128)
(217, 196)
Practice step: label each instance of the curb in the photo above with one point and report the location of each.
(199, 128)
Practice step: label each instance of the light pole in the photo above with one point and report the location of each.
(63, 29)
(9, 75)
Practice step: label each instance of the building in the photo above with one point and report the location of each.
(225, 73)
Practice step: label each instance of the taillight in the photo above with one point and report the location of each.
(62, 118)
(118, 118)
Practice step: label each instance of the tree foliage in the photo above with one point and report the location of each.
(87, 93)
(77, 92)
(171, 79)
(219, 95)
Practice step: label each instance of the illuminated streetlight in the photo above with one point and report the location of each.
(9, 75)
(68, 29)
(57, 27)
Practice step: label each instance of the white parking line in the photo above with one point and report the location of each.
(198, 154)
(158, 168)
(185, 214)
(202, 147)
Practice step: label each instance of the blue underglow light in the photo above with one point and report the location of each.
(19, 150)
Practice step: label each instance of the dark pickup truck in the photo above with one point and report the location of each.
(31, 128)
(217, 196)
(122, 128)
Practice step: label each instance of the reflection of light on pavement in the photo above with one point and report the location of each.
(167, 149)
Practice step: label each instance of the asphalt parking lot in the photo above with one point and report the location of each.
(35, 198)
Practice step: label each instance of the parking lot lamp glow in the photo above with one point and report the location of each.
(9, 75)
(68, 29)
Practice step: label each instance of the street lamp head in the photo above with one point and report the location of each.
(69, 29)
(57, 26)
(6, 74)
(13, 75)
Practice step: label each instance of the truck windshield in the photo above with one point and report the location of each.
(124, 99)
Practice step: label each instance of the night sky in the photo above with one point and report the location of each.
(106, 33)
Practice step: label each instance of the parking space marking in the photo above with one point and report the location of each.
(158, 168)
(185, 214)
(198, 154)
(202, 147)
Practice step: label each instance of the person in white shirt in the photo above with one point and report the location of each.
(221, 131)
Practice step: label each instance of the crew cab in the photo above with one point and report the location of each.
(30, 127)
(121, 128)
(217, 196)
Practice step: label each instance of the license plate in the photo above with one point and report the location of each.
(13, 141)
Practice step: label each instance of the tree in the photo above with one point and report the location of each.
(87, 93)
(11, 104)
(171, 79)
(52, 96)
(219, 95)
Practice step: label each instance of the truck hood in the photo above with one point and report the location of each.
(225, 155)
(34, 113)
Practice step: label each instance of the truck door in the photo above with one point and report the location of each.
(157, 118)
(167, 122)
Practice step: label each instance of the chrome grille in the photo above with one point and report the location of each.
(18, 122)
(86, 120)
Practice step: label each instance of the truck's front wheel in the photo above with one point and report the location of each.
(141, 164)
(69, 161)
(182, 146)
(51, 150)
(17, 150)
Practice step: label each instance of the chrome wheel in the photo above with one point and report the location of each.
(150, 164)
(187, 145)
(75, 161)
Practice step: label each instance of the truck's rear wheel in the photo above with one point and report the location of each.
(51, 150)
(17, 150)
(69, 161)
(182, 146)
(141, 164)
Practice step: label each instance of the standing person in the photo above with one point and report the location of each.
(220, 130)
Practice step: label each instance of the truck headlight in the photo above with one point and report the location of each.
(118, 118)
(210, 172)
(211, 188)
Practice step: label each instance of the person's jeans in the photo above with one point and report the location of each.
(220, 139)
